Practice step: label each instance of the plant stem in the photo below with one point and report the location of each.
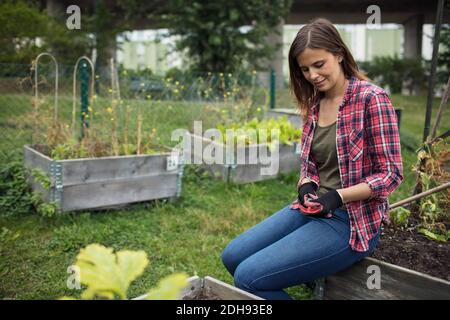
(420, 195)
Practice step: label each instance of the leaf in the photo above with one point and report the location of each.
(108, 275)
(131, 265)
(434, 236)
(399, 215)
(169, 288)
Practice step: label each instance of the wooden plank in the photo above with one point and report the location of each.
(216, 170)
(194, 288)
(78, 171)
(396, 283)
(108, 181)
(288, 162)
(119, 191)
(35, 159)
(207, 285)
(225, 291)
(249, 171)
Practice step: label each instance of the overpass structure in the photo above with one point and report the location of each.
(412, 14)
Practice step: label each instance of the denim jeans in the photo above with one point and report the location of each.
(289, 248)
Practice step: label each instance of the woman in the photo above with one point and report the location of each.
(350, 163)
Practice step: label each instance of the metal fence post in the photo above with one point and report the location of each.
(84, 88)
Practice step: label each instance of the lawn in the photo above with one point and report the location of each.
(186, 236)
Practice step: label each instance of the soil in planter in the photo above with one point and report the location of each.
(42, 148)
(203, 295)
(407, 248)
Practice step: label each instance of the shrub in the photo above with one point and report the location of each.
(396, 72)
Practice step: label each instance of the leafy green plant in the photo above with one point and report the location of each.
(399, 216)
(433, 210)
(45, 209)
(108, 275)
(288, 133)
(15, 192)
(41, 178)
(7, 235)
(17, 196)
(435, 236)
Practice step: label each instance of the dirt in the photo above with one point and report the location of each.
(42, 149)
(407, 248)
(203, 295)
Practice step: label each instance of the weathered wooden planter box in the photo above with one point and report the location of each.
(96, 183)
(396, 283)
(235, 172)
(291, 114)
(209, 288)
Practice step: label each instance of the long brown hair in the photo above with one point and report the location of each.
(318, 34)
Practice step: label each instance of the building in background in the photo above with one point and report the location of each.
(147, 49)
(141, 49)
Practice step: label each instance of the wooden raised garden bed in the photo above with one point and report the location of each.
(396, 283)
(209, 288)
(234, 172)
(95, 183)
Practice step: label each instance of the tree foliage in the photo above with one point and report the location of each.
(225, 35)
(410, 73)
(21, 24)
(27, 31)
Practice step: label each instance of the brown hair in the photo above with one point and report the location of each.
(318, 34)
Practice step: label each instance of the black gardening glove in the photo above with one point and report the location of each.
(304, 189)
(330, 201)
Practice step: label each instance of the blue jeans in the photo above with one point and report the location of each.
(289, 248)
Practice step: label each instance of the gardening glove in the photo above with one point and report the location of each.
(304, 189)
(330, 201)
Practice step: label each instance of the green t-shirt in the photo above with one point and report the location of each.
(324, 152)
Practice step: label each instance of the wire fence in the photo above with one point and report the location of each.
(124, 102)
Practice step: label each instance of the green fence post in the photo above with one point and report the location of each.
(272, 89)
(84, 90)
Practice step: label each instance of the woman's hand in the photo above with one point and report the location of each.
(306, 189)
(330, 201)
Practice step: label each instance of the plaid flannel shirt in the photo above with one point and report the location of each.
(368, 150)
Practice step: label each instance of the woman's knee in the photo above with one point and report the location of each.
(230, 258)
(243, 278)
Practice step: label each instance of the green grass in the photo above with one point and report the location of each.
(186, 236)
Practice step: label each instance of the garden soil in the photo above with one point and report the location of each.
(407, 248)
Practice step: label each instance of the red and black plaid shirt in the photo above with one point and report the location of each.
(368, 150)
